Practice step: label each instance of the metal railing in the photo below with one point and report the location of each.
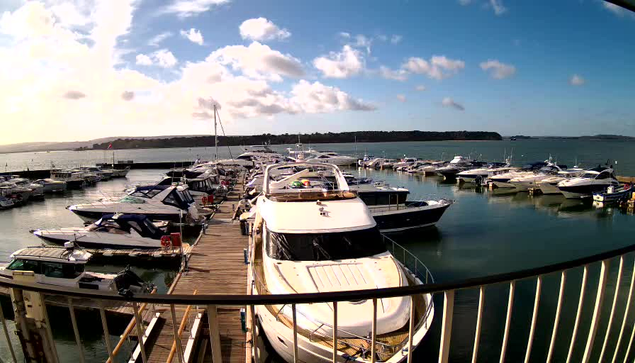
(594, 338)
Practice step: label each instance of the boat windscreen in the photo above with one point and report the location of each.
(324, 246)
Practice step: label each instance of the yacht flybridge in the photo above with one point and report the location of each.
(311, 234)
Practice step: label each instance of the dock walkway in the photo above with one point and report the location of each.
(216, 266)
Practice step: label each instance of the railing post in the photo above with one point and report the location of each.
(479, 319)
(508, 320)
(104, 325)
(411, 327)
(626, 309)
(334, 331)
(556, 319)
(578, 313)
(373, 347)
(214, 333)
(615, 296)
(6, 335)
(597, 311)
(175, 331)
(78, 340)
(138, 322)
(295, 333)
(446, 326)
(534, 317)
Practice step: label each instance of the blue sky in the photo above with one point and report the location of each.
(87, 68)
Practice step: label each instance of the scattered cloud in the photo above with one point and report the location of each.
(344, 34)
(262, 29)
(187, 8)
(157, 39)
(498, 7)
(316, 98)
(465, 2)
(193, 36)
(449, 102)
(162, 58)
(127, 95)
(396, 75)
(420, 88)
(395, 39)
(74, 95)
(345, 64)
(497, 69)
(258, 61)
(401, 98)
(577, 80)
(362, 41)
(438, 67)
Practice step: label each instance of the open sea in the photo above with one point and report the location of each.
(484, 232)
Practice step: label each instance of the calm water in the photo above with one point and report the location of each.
(483, 233)
(587, 153)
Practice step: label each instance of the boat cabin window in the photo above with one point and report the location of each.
(62, 270)
(383, 198)
(324, 246)
(150, 193)
(24, 265)
(604, 175)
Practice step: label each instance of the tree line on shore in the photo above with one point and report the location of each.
(314, 138)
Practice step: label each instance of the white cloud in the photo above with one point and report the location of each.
(497, 69)
(498, 7)
(420, 88)
(259, 61)
(261, 29)
(449, 102)
(465, 2)
(576, 80)
(396, 75)
(362, 41)
(439, 67)
(396, 39)
(401, 98)
(162, 58)
(344, 34)
(57, 78)
(188, 8)
(193, 35)
(143, 60)
(347, 63)
(157, 39)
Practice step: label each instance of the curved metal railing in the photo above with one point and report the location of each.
(448, 290)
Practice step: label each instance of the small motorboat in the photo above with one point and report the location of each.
(614, 194)
(65, 267)
(51, 186)
(115, 231)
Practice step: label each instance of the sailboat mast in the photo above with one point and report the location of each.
(215, 136)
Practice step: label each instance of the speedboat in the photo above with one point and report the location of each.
(316, 237)
(52, 186)
(111, 231)
(592, 181)
(157, 202)
(502, 180)
(432, 168)
(550, 185)
(65, 267)
(394, 213)
(482, 174)
(456, 165)
(37, 190)
(404, 163)
(523, 183)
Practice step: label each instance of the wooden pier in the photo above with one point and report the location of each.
(216, 266)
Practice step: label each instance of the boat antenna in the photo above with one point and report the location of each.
(215, 136)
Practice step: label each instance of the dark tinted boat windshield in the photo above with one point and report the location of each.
(324, 246)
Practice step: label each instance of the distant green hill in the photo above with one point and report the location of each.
(315, 138)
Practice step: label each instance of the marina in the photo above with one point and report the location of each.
(216, 260)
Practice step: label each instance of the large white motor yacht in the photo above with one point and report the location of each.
(157, 202)
(331, 157)
(550, 185)
(592, 181)
(312, 237)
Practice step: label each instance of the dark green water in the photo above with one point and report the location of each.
(483, 233)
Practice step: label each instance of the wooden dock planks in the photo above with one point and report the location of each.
(216, 266)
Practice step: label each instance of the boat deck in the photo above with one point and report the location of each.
(216, 266)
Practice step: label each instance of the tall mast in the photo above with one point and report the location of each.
(215, 136)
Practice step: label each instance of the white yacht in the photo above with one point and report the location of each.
(455, 166)
(404, 163)
(312, 237)
(111, 231)
(592, 181)
(52, 186)
(65, 267)
(157, 202)
(523, 183)
(550, 185)
(331, 157)
(37, 190)
(73, 179)
(259, 152)
(482, 174)
(502, 180)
